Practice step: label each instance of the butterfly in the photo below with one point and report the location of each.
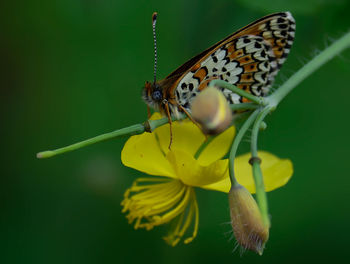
(249, 58)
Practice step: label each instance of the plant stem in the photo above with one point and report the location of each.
(243, 106)
(131, 130)
(236, 142)
(326, 55)
(148, 126)
(233, 88)
(255, 162)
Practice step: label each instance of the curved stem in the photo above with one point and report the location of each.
(326, 55)
(255, 162)
(236, 142)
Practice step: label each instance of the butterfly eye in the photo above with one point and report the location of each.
(157, 95)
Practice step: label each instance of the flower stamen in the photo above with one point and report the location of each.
(152, 202)
(181, 226)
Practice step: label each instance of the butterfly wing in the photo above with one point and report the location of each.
(249, 58)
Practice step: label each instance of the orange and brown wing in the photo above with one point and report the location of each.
(250, 58)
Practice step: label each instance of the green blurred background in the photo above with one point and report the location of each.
(73, 69)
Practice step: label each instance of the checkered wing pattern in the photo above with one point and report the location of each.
(249, 59)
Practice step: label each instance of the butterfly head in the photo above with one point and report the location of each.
(153, 95)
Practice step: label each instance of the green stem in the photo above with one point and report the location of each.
(236, 142)
(148, 126)
(257, 174)
(243, 106)
(153, 124)
(131, 130)
(326, 55)
(233, 88)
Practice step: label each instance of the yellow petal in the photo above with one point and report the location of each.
(217, 148)
(142, 152)
(276, 173)
(186, 136)
(191, 173)
(155, 116)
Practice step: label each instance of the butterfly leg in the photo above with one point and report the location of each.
(170, 122)
(148, 112)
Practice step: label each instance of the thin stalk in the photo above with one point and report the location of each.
(236, 142)
(147, 126)
(131, 130)
(261, 197)
(243, 106)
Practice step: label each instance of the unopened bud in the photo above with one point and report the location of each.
(248, 227)
(211, 109)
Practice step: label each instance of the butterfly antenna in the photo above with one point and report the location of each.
(154, 21)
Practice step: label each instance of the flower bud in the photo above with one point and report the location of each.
(211, 109)
(248, 227)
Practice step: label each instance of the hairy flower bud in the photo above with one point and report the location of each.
(211, 109)
(248, 227)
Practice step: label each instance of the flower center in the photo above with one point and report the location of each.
(155, 201)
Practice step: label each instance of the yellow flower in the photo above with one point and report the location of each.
(155, 201)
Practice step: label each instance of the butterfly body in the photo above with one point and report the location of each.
(249, 58)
